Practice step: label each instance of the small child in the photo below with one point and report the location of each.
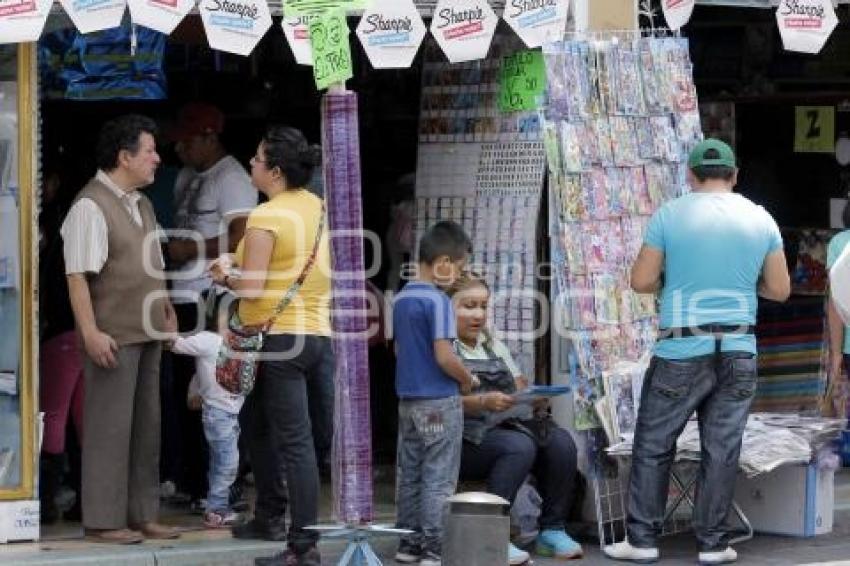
(220, 413)
(428, 375)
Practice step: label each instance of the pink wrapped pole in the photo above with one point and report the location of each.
(352, 448)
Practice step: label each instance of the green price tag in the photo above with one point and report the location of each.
(305, 7)
(522, 81)
(331, 50)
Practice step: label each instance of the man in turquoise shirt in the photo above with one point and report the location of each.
(716, 251)
(839, 336)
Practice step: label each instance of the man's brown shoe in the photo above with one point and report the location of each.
(156, 531)
(114, 536)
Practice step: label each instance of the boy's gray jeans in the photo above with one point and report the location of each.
(720, 390)
(430, 433)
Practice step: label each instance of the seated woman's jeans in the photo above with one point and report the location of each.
(720, 390)
(506, 456)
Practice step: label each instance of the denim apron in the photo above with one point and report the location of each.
(495, 375)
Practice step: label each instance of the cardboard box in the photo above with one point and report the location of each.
(791, 500)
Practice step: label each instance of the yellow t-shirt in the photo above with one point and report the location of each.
(292, 217)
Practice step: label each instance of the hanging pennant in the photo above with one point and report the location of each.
(297, 32)
(23, 20)
(805, 25)
(94, 15)
(537, 22)
(677, 12)
(391, 32)
(160, 15)
(464, 28)
(235, 26)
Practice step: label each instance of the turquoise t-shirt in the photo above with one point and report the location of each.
(833, 252)
(714, 248)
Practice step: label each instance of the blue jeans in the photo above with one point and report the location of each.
(720, 390)
(221, 430)
(506, 456)
(429, 445)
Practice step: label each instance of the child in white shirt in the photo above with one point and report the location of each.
(220, 417)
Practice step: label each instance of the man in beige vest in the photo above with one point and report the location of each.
(117, 289)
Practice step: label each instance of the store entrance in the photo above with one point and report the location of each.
(252, 93)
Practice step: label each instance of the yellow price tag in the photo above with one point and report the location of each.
(815, 129)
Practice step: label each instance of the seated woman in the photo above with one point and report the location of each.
(503, 441)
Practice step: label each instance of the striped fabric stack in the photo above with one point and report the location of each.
(352, 474)
(790, 344)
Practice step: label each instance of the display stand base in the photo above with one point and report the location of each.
(359, 552)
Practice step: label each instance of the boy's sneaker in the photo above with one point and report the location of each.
(220, 519)
(558, 544)
(430, 558)
(718, 557)
(516, 557)
(625, 551)
(408, 553)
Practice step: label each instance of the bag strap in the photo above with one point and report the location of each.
(296, 285)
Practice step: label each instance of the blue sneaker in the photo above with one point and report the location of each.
(557, 544)
(517, 557)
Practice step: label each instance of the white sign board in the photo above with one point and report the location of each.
(535, 22)
(677, 12)
(160, 15)
(235, 26)
(464, 28)
(805, 25)
(22, 20)
(836, 212)
(297, 32)
(391, 32)
(94, 15)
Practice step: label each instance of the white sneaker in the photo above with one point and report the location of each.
(625, 551)
(517, 556)
(718, 557)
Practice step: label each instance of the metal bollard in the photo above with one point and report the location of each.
(477, 530)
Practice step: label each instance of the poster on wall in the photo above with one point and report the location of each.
(464, 28)
(22, 20)
(160, 15)
(391, 32)
(677, 13)
(94, 15)
(235, 26)
(535, 22)
(805, 25)
(297, 32)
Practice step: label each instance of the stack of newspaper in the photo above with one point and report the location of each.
(770, 440)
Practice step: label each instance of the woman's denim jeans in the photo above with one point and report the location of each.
(720, 390)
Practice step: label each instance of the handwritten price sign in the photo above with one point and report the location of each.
(304, 7)
(522, 81)
(331, 50)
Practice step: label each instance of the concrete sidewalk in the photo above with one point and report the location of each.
(63, 544)
(216, 548)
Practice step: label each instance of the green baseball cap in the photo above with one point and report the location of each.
(722, 154)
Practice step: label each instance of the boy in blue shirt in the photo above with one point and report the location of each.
(429, 379)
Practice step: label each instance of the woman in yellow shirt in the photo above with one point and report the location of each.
(279, 240)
